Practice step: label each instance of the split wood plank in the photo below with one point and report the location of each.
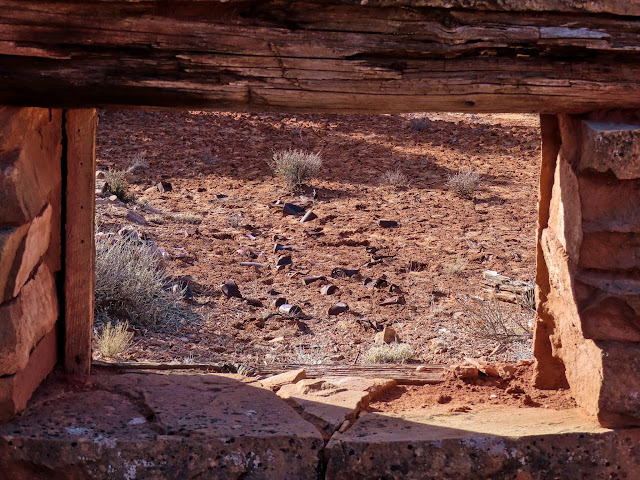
(403, 374)
(79, 248)
(310, 55)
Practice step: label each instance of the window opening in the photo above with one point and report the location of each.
(409, 212)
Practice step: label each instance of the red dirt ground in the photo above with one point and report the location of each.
(218, 165)
(456, 395)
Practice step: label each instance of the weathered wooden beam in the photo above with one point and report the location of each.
(79, 249)
(310, 55)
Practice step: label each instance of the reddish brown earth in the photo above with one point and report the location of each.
(218, 165)
(483, 392)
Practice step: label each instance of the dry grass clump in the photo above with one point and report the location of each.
(130, 283)
(492, 321)
(192, 218)
(455, 267)
(419, 124)
(464, 183)
(296, 167)
(394, 178)
(116, 184)
(162, 218)
(114, 340)
(313, 355)
(137, 165)
(392, 353)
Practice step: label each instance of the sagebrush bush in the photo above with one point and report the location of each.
(418, 124)
(296, 167)
(464, 183)
(130, 283)
(392, 353)
(394, 178)
(492, 321)
(116, 184)
(113, 341)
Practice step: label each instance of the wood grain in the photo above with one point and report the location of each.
(310, 55)
(79, 249)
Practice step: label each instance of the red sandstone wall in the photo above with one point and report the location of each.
(590, 246)
(30, 250)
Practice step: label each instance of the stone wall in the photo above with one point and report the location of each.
(31, 149)
(588, 334)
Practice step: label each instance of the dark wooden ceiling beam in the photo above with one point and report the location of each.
(339, 56)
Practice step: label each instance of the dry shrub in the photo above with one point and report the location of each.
(493, 321)
(113, 341)
(131, 284)
(191, 218)
(464, 183)
(116, 184)
(296, 167)
(455, 267)
(394, 178)
(392, 353)
(418, 124)
(312, 355)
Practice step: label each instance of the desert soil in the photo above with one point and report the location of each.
(218, 165)
(480, 393)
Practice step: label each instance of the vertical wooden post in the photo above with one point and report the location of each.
(79, 251)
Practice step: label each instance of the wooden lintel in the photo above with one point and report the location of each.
(79, 250)
(545, 56)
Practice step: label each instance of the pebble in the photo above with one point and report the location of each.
(338, 308)
(136, 218)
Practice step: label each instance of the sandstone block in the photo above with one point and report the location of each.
(24, 320)
(173, 426)
(610, 251)
(275, 382)
(12, 242)
(464, 371)
(565, 217)
(18, 260)
(511, 443)
(609, 305)
(16, 390)
(619, 395)
(611, 146)
(609, 204)
(387, 335)
(327, 402)
(29, 162)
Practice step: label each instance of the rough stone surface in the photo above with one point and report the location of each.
(565, 218)
(604, 376)
(490, 444)
(15, 390)
(12, 242)
(275, 382)
(611, 147)
(327, 402)
(36, 244)
(608, 305)
(29, 161)
(610, 251)
(609, 204)
(156, 426)
(387, 335)
(25, 320)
